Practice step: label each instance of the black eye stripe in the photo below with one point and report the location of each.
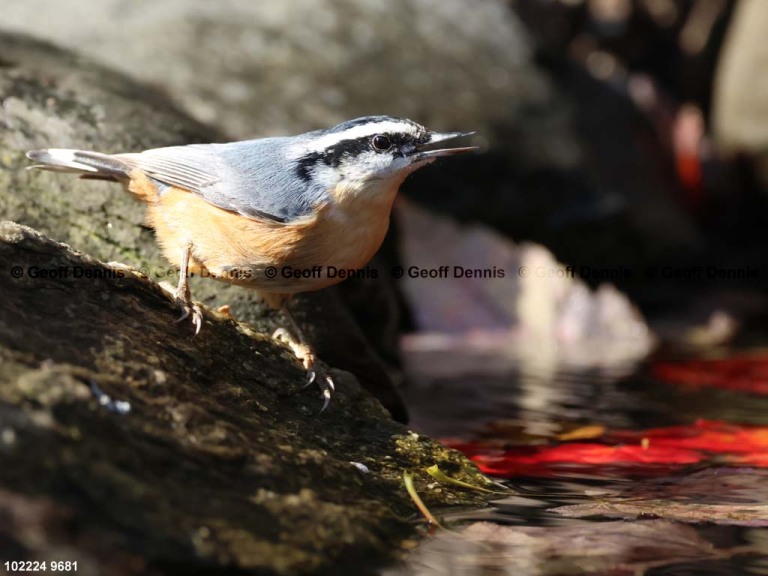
(352, 147)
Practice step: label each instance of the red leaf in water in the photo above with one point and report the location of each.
(538, 460)
(745, 373)
(651, 449)
(705, 435)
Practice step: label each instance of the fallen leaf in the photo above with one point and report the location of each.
(706, 435)
(583, 433)
(536, 460)
(650, 451)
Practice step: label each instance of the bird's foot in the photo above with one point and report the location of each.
(316, 374)
(189, 308)
(324, 382)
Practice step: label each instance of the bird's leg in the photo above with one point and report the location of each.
(183, 294)
(297, 342)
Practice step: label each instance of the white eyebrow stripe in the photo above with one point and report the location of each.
(368, 129)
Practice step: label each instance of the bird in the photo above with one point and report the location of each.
(274, 214)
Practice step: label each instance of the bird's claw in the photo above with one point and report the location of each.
(190, 309)
(315, 374)
(327, 389)
(312, 376)
(325, 383)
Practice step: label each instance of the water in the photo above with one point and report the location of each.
(709, 516)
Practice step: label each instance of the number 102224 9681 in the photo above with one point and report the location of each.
(56, 566)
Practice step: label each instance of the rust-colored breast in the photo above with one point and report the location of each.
(239, 249)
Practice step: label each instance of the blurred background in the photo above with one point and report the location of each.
(620, 186)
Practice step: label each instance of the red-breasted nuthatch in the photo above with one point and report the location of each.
(246, 212)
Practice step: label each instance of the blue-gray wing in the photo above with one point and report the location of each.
(252, 178)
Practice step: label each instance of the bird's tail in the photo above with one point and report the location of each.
(87, 164)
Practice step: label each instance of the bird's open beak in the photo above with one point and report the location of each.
(435, 137)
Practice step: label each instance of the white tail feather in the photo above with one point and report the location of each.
(59, 157)
(64, 160)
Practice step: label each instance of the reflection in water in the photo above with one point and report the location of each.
(587, 519)
(453, 386)
(572, 548)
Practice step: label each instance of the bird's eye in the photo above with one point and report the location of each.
(381, 142)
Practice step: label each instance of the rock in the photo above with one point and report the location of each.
(507, 286)
(54, 99)
(258, 68)
(203, 454)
